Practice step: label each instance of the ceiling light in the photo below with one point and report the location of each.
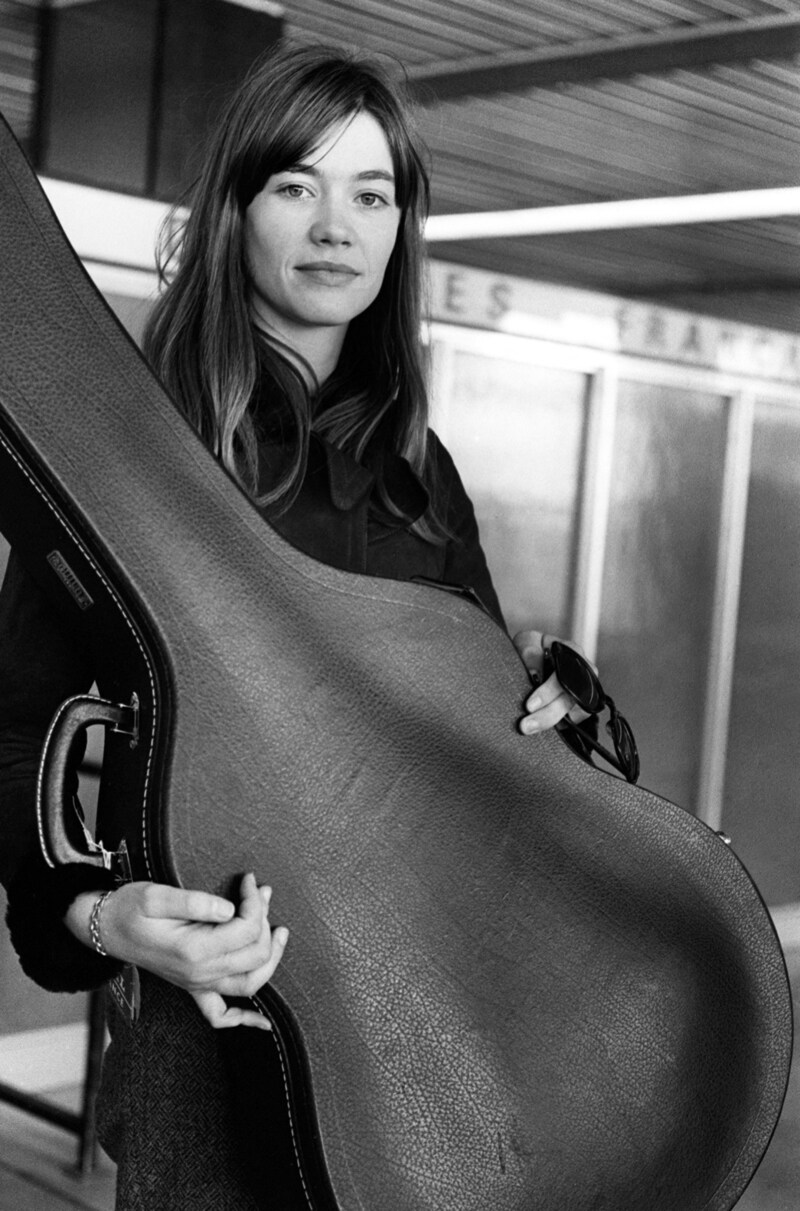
(606, 216)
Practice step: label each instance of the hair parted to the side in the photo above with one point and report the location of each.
(201, 338)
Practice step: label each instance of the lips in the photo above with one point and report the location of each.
(328, 273)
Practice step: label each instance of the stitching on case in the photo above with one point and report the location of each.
(296, 1150)
(39, 814)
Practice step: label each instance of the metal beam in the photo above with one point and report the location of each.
(776, 37)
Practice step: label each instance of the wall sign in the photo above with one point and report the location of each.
(476, 298)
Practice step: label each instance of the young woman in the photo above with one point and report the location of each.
(289, 334)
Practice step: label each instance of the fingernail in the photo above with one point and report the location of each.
(533, 704)
(223, 909)
(530, 725)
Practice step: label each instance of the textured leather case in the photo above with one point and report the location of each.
(514, 982)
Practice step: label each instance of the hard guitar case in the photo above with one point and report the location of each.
(514, 982)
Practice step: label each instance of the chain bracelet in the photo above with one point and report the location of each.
(94, 923)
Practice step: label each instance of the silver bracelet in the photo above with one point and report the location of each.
(94, 923)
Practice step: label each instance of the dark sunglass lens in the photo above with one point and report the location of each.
(576, 739)
(577, 677)
(625, 746)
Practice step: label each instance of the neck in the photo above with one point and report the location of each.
(315, 348)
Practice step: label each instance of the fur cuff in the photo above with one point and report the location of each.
(38, 899)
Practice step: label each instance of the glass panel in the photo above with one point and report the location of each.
(658, 580)
(762, 784)
(515, 433)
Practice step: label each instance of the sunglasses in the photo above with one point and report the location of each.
(579, 680)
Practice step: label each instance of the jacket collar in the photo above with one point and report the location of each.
(349, 482)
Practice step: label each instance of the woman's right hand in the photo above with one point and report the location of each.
(196, 940)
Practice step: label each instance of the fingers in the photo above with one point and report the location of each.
(246, 980)
(243, 969)
(545, 707)
(227, 929)
(159, 900)
(549, 703)
(220, 1015)
(244, 983)
(157, 927)
(577, 714)
(530, 645)
(253, 900)
(248, 929)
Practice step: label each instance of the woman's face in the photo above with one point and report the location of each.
(318, 237)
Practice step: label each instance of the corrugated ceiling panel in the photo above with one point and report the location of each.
(689, 131)
(651, 136)
(651, 262)
(441, 30)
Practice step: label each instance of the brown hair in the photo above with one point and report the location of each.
(201, 338)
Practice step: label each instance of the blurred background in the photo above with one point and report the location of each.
(616, 370)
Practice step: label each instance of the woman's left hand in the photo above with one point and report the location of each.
(549, 702)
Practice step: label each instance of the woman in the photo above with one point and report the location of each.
(290, 336)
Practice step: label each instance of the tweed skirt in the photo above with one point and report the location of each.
(165, 1111)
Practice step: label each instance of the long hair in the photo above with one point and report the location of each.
(201, 338)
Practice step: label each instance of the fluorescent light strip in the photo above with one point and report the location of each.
(606, 216)
(270, 7)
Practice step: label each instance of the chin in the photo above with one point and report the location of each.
(335, 310)
(330, 317)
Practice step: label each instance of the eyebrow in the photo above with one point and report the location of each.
(370, 174)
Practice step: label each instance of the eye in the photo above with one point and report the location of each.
(292, 189)
(373, 201)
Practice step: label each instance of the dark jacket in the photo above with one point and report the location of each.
(164, 1112)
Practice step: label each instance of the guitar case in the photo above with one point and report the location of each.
(514, 982)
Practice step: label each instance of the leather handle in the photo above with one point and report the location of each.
(52, 804)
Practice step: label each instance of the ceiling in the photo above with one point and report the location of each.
(537, 103)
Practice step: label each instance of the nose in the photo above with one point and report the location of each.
(331, 225)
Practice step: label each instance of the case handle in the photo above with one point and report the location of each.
(72, 717)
